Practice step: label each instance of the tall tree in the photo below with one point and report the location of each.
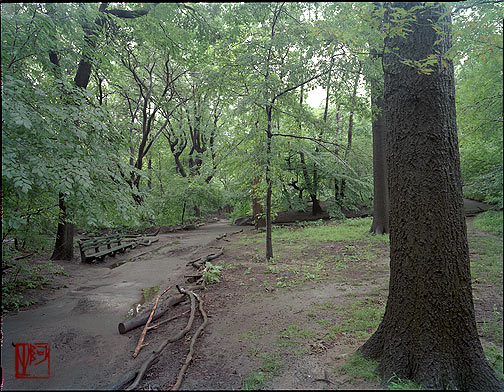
(63, 248)
(381, 203)
(428, 332)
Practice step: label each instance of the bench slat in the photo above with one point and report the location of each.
(96, 243)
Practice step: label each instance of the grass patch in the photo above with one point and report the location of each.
(150, 293)
(358, 368)
(20, 276)
(486, 259)
(293, 331)
(489, 221)
(347, 230)
(270, 366)
(494, 356)
(398, 384)
(255, 380)
(493, 327)
(362, 318)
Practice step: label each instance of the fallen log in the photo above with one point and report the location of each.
(138, 321)
(155, 354)
(191, 346)
(146, 328)
(202, 260)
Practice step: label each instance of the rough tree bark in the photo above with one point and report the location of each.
(428, 332)
(381, 203)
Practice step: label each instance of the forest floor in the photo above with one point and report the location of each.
(293, 323)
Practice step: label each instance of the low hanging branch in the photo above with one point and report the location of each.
(156, 353)
(191, 346)
(146, 328)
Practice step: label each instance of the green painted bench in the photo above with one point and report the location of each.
(109, 245)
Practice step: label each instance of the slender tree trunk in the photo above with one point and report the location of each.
(381, 203)
(63, 249)
(149, 179)
(183, 213)
(336, 181)
(428, 332)
(256, 204)
(350, 129)
(269, 243)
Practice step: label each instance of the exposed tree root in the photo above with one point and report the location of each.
(202, 260)
(191, 346)
(226, 234)
(146, 328)
(148, 242)
(156, 353)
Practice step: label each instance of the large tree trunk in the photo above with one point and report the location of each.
(381, 203)
(428, 332)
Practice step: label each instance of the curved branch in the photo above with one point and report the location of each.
(126, 14)
(191, 346)
(156, 353)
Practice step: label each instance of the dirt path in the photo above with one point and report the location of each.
(80, 321)
(261, 333)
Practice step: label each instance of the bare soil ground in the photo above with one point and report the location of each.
(292, 324)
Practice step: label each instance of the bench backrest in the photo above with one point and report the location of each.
(99, 241)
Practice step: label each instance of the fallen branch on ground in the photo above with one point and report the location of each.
(202, 260)
(146, 328)
(155, 354)
(168, 320)
(191, 346)
(136, 322)
(226, 234)
(23, 257)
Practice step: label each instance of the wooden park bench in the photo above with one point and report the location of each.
(110, 245)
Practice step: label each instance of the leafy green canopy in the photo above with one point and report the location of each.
(479, 81)
(55, 140)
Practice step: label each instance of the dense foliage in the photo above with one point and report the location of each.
(172, 124)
